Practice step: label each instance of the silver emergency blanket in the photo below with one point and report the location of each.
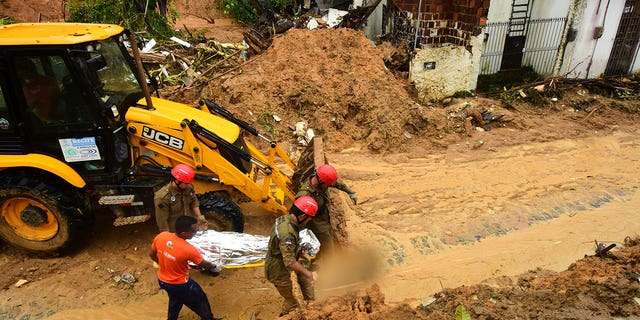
(227, 249)
(230, 248)
(309, 244)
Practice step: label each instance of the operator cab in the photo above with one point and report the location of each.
(67, 100)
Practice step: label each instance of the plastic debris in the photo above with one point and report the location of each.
(312, 24)
(127, 278)
(303, 133)
(149, 46)
(20, 283)
(180, 41)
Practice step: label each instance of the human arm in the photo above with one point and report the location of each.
(153, 254)
(202, 221)
(288, 245)
(207, 265)
(153, 251)
(198, 259)
(195, 209)
(342, 186)
(299, 269)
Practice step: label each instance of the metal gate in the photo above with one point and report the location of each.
(626, 43)
(516, 35)
(540, 49)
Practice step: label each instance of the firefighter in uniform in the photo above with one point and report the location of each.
(178, 198)
(316, 186)
(282, 253)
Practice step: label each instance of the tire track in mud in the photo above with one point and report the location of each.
(417, 207)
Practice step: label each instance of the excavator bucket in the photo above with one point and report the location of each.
(312, 157)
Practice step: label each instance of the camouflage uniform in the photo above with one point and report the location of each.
(170, 203)
(321, 223)
(282, 251)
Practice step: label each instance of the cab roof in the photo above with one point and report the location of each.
(55, 33)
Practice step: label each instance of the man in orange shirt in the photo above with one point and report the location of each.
(172, 252)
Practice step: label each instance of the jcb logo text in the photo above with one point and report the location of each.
(163, 138)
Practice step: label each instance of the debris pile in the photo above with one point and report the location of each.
(332, 79)
(189, 62)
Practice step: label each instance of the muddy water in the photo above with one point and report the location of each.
(424, 223)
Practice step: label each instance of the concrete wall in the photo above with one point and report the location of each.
(373, 27)
(449, 37)
(587, 57)
(439, 72)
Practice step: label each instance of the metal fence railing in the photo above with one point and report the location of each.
(543, 40)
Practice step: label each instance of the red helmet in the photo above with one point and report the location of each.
(327, 174)
(183, 173)
(306, 205)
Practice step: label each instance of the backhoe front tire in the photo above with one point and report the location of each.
(41, 218)
(222, 213)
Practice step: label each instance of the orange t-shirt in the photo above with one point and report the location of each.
(174, 254)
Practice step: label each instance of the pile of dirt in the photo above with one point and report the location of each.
(330, 78)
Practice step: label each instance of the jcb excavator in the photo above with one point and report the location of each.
(79, 130)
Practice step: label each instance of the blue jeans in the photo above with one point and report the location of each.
(189, 294)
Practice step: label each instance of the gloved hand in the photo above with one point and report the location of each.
(354, 197)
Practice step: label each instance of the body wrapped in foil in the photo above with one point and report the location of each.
(230, 248)
(233, 249)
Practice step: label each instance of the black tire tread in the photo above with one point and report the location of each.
(71, 203)
(223, 207)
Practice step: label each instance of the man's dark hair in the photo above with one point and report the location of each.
(184, 223)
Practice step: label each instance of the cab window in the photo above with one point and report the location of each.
(51, 96)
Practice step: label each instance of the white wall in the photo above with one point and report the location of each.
(373, 28)
(500, 10)
(587, 57)
(546, 9)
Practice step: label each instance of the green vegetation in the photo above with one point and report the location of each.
(464, 94)
(265, 118)
(507, 79)
(241, 11)
(462, 313)
(6, 20)
(244, 12)
(132, 15)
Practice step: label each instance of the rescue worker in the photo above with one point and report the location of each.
(172, 253)
(282, 253)
(316, 186)
(178, 198)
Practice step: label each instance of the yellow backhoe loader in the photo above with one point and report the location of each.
(79, 130)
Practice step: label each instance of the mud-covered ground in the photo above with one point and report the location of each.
(497, 220)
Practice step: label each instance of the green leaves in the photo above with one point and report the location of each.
(132, 15)
(462, 313)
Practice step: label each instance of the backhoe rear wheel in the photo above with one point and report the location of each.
(39, 217)
(222, 213)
